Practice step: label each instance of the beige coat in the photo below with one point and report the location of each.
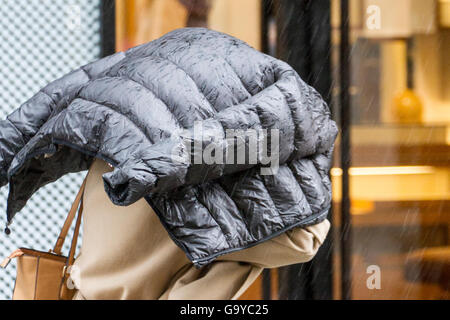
(127, 254)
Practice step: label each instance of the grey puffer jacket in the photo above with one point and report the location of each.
(136, 110)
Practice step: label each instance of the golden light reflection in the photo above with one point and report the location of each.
(384, 171)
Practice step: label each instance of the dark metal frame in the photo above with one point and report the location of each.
(303, 41)
(266, 14)
(345, 117)
(108, 27)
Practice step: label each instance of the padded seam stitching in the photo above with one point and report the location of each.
(50, 97)
(200, 108)
(126, 77)
(87, 73)
(236, 205)
(271, 200)
(291, 116)
(189, 76)
(212, 216)
(18, 130)
(300, 185)
(114, 110)
(237, 76)
(322, 177)
(219, 184)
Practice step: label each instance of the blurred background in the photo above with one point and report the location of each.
(383, 67)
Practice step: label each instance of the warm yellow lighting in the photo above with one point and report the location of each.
(384, 171)
(360, 207)
(444, 13)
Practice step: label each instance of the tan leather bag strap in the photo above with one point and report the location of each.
(68, 222)
(73, 245)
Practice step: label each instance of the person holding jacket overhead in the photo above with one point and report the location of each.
(172, 210)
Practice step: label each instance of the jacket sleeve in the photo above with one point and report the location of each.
(288, 114)
(23, 123)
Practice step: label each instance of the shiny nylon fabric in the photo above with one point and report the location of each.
(134, 108)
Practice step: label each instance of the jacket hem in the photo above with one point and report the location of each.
(50, 148)
(303, 223)
(200, 262)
